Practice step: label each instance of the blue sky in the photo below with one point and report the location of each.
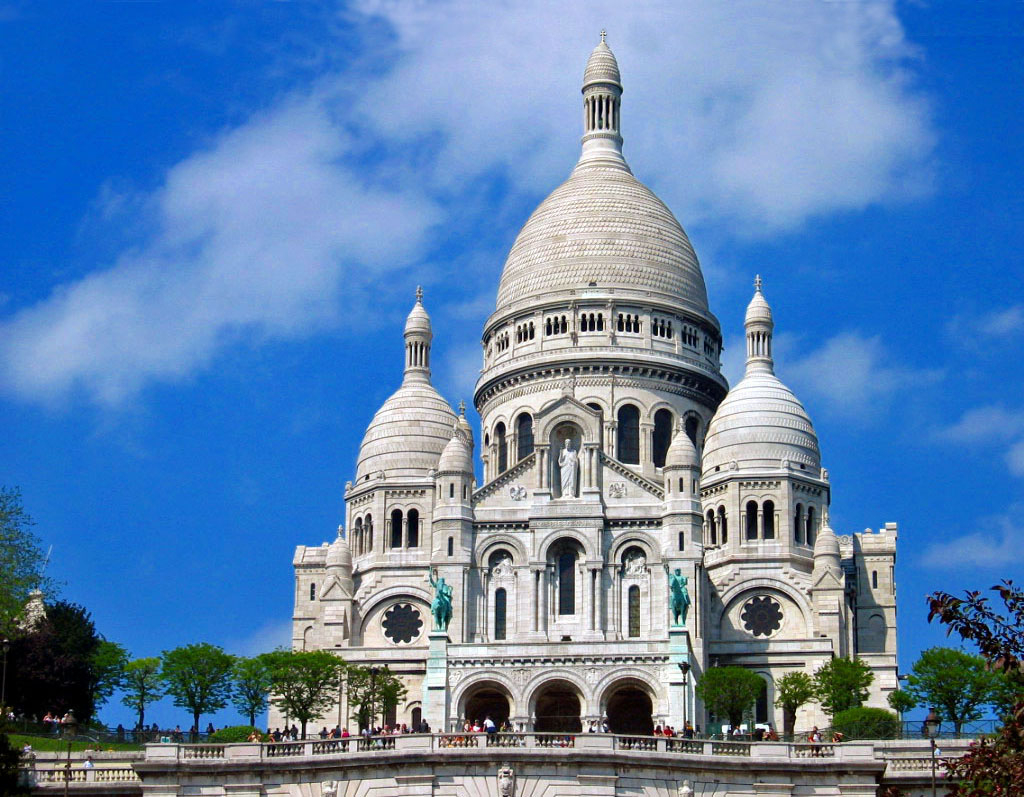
(213, 218)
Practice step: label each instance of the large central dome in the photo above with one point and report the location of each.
(602, 228)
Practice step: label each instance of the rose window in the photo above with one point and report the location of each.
(762, 616)
(402, 623)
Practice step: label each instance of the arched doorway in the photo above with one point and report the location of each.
(629, 711)
(557, 709)
(487, 701)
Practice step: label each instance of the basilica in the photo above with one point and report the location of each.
(638, 521)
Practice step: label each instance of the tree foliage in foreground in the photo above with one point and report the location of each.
(864, 722)
(954, 682)
(842, 684)
(21, 560)
(10, 758)
(993, 767)
(792, 690)
(252, 686)
(140, 681)
(729, 692)
(901, 701)
(374, 694)
(198, 677)
(305, 683)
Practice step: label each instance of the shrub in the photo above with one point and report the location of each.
(867, 723)
(233, 734)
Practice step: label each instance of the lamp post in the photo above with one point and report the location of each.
(373, 694)
(70, 729)
(932, 723)
(684, 668)
(3, 684)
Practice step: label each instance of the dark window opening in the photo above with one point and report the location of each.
(413, 537)
(567, 583)
(629, 435)
(499, 441)
(769, 520)
(662, 436)
(751, 520)
(634, 611)
(396, 529)
(499, 613)
(524, 435)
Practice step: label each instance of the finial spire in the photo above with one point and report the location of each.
(602, 104)
(603, 35)
(759, 326)
(419, 294)
(757, 283)
(462, 408)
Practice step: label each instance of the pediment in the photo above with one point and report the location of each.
(334, 591)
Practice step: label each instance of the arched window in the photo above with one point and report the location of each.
(465, 492)
(712, 535)
(499, 441)
(413, 537)
(723, 525)
(628, 448)
(396, 528)
(751, 520)
(567, 582)
(368, 530)
(634, 611)
(662, 436)
(769, 520)
(451, 546)
(811, 529)
(312, 591)
(682, 541)
(417, 718)
(451, 489)
(761, 707)
(798, 525)
(874, 579)
(357, 536)
(596, 408)
(500, 600)
(692, 427)
(524, 435)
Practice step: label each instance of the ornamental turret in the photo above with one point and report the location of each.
(418, 335)
(602, 101)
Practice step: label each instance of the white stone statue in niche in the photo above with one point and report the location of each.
(503, 567)
(569, 468)
(636, 564)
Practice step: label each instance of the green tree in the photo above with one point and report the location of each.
(305, 684)
(864, 722)
(956, 683)
(252, 686)
(140, 682)
(108, 662)
(51, 666)
(373, 693)
(198, 677)
(901, 701)
(992, 767)
(729, 691)
(21, 560)
(792, 690)
(842, 684)
(10, 759)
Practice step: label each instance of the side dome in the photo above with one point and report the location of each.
(761, 423)
(407, 434)
(411, 429)
(457, 456)
(681, 453)
(602, 66)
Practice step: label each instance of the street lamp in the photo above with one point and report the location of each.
(373, 694)
(70, 729)
(3, 685)
(684, 668)
(932, 723)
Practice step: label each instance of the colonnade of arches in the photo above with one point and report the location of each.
(402, 530)
(761, 521)
(628, 436)
(560, 705)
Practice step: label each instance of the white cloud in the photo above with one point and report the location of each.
(268, 637)
(1003, 323)
(759, 114)
(987, 423)
(853, 375)
(997, 545)
(462, 369)
(1015, 458)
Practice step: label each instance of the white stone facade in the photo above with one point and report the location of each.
(602, 337)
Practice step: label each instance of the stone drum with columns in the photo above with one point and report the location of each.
(637, 521)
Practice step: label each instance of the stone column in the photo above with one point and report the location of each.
(435, 682)
(679, 685)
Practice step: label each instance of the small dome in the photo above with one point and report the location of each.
(758, 309)
(457, 456)
(464, 428)
(407, 435)
(602, 66)
(339, 554)
(826, 544)
(681, 453)
(760, 424)
(418, 320)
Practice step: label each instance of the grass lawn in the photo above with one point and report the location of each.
(49, 744)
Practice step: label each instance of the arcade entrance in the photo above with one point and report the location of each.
(558, 710)
(629, 711)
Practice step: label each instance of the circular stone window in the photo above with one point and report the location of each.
(762, 616)
(402, 623)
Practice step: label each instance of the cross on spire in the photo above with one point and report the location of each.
(603, 34)
(419, 294)
(757, 282)
(462, 407)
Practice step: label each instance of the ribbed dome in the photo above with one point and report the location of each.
(602, 226)
(759, 424)
(408, 433)
(419, 319)
(601, 67)
(339, 554)
(457, 456)
(758, 309)
(681, 453)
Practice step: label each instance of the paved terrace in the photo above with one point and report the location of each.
(169, 768)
